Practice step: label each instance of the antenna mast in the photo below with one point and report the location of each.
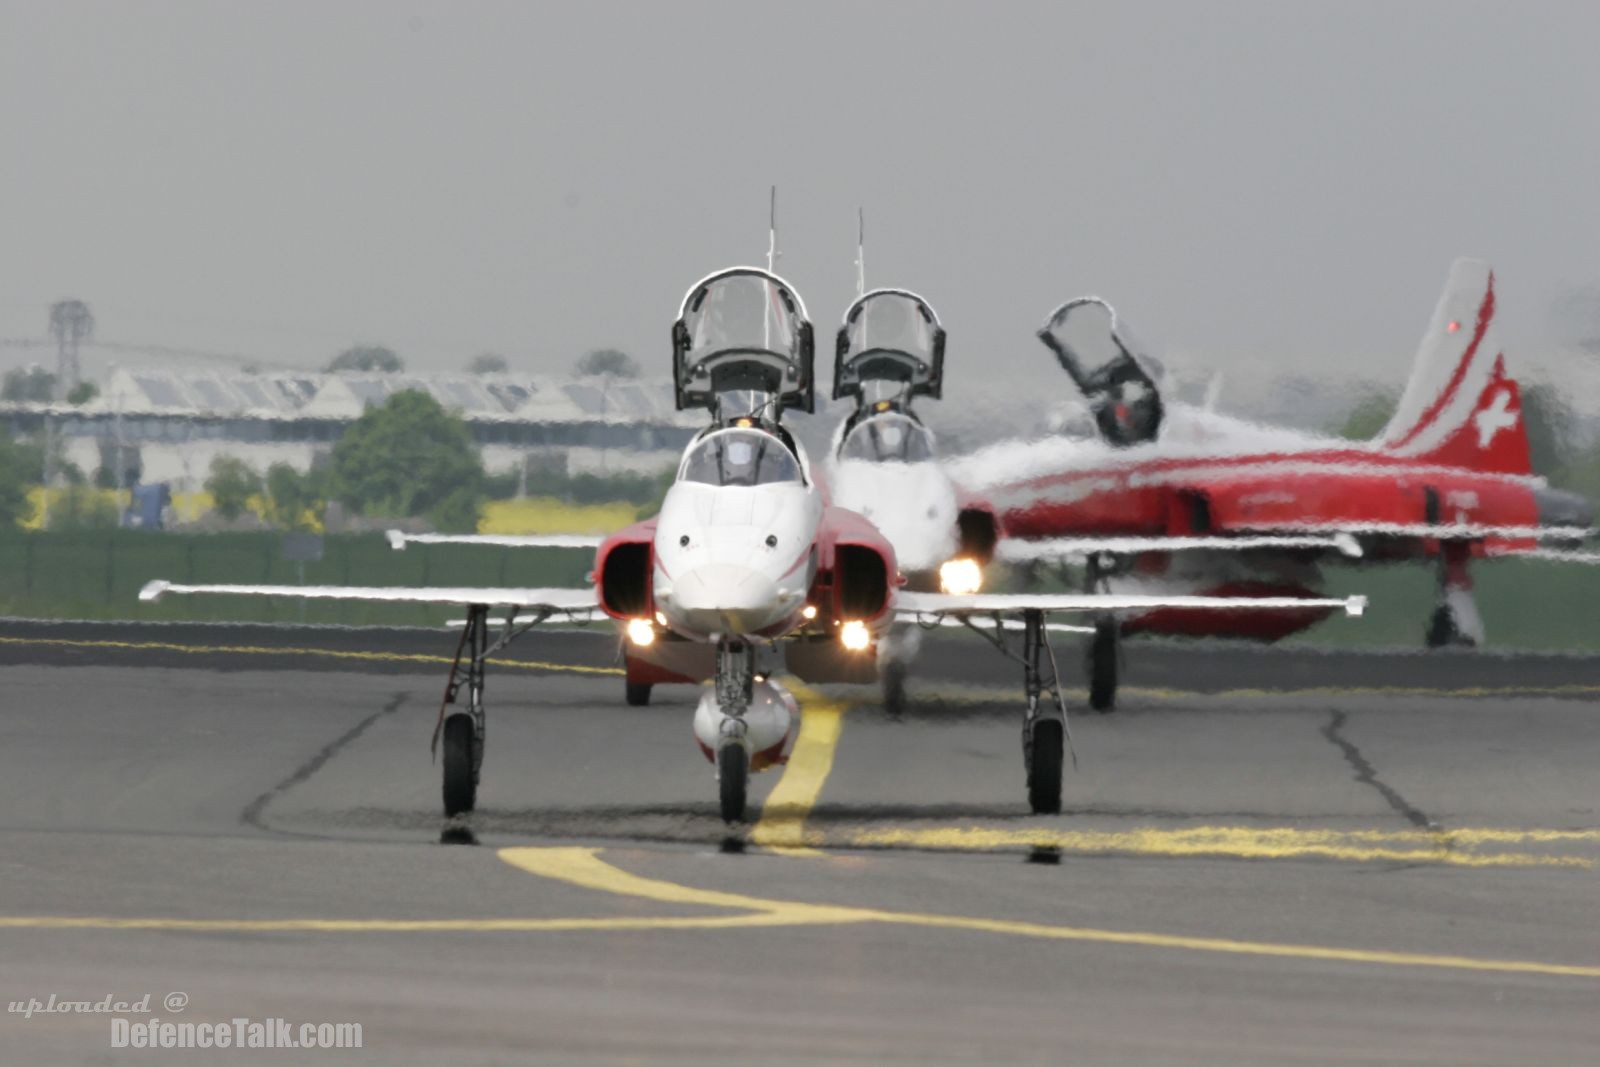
(861, 252)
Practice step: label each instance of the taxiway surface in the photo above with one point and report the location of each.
(1263, 858)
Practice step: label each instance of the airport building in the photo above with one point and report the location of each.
(167, 425)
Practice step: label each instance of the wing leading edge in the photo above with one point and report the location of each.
(553, 601)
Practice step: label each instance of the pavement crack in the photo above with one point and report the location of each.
(254, 812)
(1367, 774)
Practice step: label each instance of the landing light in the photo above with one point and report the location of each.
(961, 576)
(808, 612)
(855, 636)
(641, 633)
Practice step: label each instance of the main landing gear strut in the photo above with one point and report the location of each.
(1455, 622)
(1046, 738)
(735, 687)
(1103, 656)
(461, 731)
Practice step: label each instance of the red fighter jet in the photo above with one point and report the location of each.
(1181, 499)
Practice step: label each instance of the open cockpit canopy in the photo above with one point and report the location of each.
(1109, 367)
(743, 330)
(890, 337)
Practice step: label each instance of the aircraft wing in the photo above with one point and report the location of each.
(399, 539)
(1013, 550)
(940, 605)
(550, 601)
(1448, 531)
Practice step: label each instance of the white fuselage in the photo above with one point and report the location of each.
(735, 561)
(912, 504)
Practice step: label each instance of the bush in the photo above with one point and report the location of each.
(232, 483)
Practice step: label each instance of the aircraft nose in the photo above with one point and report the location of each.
(727, 598)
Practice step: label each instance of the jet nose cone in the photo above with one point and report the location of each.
(727, 598)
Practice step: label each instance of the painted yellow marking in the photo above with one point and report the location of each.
(583, 867)
(269, 650)
(783, 817)
(982, 695)
(1446, 847)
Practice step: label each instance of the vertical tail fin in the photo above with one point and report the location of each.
(1461, 408)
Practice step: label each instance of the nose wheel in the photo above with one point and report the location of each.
(733, 779)
(735, 686)
(1103, 656)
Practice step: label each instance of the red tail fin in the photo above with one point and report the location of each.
(1461, 408)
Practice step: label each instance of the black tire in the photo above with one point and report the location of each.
(1443, 631)
(894, 689)
(638, 694)
(460, 780)
(733, 774)
(1103, 668)
(1044, 767)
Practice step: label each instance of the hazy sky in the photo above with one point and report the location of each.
(1279, 180)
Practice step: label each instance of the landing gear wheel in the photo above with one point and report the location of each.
(460, 776)
(1444, 632)
(1103, 667)
(1045, 754)
(638, 694)
(733, 774)
(894, 689)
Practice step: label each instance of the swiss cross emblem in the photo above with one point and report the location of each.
(1499, 415)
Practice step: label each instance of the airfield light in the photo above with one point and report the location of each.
(961, 576)
(808, 612)
(855, 636)
(641, 632)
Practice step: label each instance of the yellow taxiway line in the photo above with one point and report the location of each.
(783, 816)
(583, 867)
(1457, 848)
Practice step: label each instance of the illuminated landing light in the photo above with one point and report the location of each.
(961, 576)
(641, 633)
(808, 612)
(855, 636)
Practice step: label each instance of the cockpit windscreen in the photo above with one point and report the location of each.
(740, 457)
(888, 439)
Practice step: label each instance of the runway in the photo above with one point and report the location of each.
(1265, 857)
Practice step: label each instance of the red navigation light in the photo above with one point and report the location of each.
(1454, 326)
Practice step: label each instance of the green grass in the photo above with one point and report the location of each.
(1526, 604)
(97, 575)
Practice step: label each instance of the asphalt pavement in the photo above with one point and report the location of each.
(1264, 857)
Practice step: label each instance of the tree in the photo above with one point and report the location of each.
(83, 392)
(294, 500)
(488, 363)
(410, 457)
(232, 483)
(19, 469)
(1370, 415)
(368, 359)
(607, 361)
(34, 384)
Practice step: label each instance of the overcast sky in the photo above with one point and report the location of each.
(1274, 181)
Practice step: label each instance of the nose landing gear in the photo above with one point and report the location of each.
(734, 688)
